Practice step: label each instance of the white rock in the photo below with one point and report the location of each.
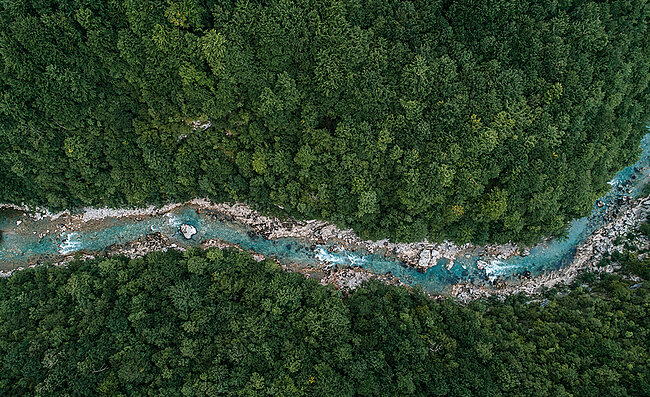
(435, 255)
(188, 230)
(425, 257)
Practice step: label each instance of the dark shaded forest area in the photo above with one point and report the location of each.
(211, 323)
(464, 120)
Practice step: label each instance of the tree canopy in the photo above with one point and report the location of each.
(482, 121)
(208, 323)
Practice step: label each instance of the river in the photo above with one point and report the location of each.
(29, 239)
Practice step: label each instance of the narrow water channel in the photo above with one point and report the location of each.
(26, 241)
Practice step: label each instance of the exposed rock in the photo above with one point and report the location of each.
(188, 230)
(142, 246)
(501, 251)
(320, 232)
(422, 255)
(425, 258)
(351, 278)
(587, 256)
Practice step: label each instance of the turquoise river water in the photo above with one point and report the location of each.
(29, 242)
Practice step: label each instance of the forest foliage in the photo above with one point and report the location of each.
(463, 120)
(209, 323)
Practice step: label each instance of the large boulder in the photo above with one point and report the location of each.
(188, 230)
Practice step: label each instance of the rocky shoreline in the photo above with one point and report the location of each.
(586, 258)
(340, 278)
(345, 278)
(420, 255)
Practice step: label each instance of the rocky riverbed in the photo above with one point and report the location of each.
(588, 255)
(422, 255)
(67, 223)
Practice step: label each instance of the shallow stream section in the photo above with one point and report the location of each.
(29, 239)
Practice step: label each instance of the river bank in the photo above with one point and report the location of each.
(421, 256)
(321, 250)
(587, 257)
(67, 223)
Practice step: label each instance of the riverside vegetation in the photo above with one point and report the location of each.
(470, 121)
(207, 323)
(404, 119)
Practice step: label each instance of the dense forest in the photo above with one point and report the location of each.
(472, 121)
(208, 323)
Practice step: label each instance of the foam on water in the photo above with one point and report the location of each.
(24, 242)
(498, 268)
(340, 258)
(174, 221)
(71, 244)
